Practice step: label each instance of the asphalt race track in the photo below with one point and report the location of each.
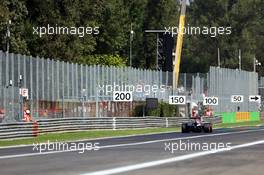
(147, 155)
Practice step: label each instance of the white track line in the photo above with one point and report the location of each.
(129, 144)
(179, 138)
(170, 160)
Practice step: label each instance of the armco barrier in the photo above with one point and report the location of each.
(30, 129)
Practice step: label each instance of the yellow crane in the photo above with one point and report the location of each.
(178, 50)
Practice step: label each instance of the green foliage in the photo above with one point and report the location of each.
(164, 110)
(139, 110)
(154, 112)
(168, 110)
(115, 18)
(16, 11)
(66, 13)
(245, 18)
(108, 60)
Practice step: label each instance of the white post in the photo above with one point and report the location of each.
(239, 58)
(96, 104)
(218, 56)
(114, 123)
(254, 64)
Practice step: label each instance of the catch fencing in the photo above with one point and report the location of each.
(261, 91)
(63, 89)
(223, 83)
(60, 89)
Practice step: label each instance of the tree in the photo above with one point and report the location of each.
(114, 19)
(200, 51)
(69, 14)
(15, 11)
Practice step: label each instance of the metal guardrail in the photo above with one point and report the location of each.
(22, 129)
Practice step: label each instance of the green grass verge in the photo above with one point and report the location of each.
(71, 136)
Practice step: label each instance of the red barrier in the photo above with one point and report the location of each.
(35, 131)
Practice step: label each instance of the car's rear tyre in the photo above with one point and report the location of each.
(207, 128)
(199, 128)
(210, 129)
(185, 128)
